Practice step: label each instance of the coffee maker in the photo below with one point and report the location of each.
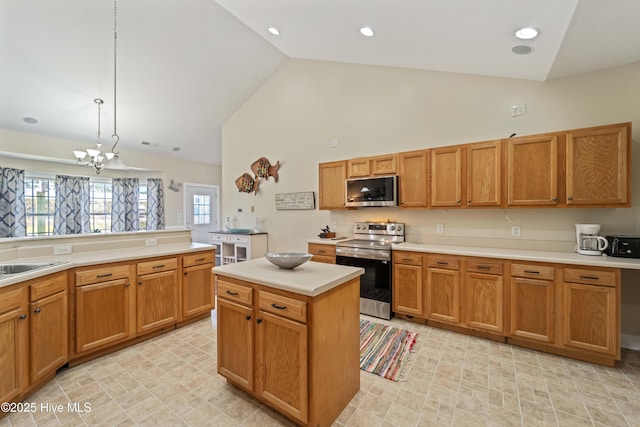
(587, 240)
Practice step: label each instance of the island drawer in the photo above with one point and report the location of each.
(441, 261)
(48, 285)
(103, 274)
(157, 266)
(283, 306)
(479, 266)
(533, 271)
(197, 259)
(591, 277)
(238, 239)
(411, 258)
(323, 250)
(235, 292)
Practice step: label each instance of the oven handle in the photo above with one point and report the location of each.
(364, 254)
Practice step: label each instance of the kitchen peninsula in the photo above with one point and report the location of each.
(278, 331)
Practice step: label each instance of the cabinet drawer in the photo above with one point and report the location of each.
(319, 249)
(103, 274)
(591, 277)
(411, 258)
(197, 259)
(484, 267)
(217, 238)
(157, 266)
(283, 306)
(238, 239)
(11, 300)
(235, 292)
(441, 261)
(48, 286)
(533, 271)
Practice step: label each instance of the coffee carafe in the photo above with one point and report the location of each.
(587, 240)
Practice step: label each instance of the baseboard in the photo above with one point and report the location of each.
(631, 342)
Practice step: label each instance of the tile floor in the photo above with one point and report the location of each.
(454, 380)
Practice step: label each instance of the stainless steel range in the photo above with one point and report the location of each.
(370, 249)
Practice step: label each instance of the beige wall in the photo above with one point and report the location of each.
(158, 166)
(375, 110)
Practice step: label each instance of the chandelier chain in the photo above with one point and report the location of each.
(115, 136)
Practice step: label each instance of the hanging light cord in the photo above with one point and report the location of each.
(115, 136)
(99, 102)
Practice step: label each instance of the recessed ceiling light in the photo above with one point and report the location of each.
(527, 33)
(522, 49)
(30, 120)
(366, 31)
(176, 148)
(274, 31)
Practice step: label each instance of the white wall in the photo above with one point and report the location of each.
(158, 166)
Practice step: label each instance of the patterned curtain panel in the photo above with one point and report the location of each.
(124, 206)
(155, 204)
(13, 218)
(72, 205)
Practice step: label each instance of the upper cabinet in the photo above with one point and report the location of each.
(413, 179)
(532, 176)
(368, 166)
(446, 176)
(332, 178)
(484, 174)
(598, 166)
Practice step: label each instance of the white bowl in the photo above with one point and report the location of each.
(287, 260)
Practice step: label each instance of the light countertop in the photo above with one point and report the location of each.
(331, 241)
(311, 278)
(64, 262)
(523, 255)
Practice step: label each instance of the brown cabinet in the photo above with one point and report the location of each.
(197, 284)
(408, 287)
(332, 177)
(156, 294)
(322, 253)
(369, 166)
(532, 302)
(443, 288)
(104, 306)
(598, 165)
(446, 176)
(413, 179)
(484, 295)
(591, 310)
(14, 342)
(532, 171)
(484, 174)
(48, 325)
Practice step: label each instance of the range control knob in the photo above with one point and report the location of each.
(393, 227)
(399, 228)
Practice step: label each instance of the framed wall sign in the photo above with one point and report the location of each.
(292, 201)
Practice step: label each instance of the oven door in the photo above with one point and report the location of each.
(375, 284)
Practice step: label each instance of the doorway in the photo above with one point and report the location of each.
(201, 208)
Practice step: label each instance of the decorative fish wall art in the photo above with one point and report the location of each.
(261, 168)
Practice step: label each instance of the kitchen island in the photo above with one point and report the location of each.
(290, 338)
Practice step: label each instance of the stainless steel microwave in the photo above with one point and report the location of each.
(374, 191)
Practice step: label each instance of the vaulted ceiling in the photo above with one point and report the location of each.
(183, 67)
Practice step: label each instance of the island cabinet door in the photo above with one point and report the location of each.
(235, 343)
(282, 375)
(197, 290)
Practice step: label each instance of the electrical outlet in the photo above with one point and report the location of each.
(515, 231)
(334, 226)
(62, 250)
(439, 228)
(518, 110)
(151, 242)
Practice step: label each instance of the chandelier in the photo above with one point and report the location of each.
(98, 157)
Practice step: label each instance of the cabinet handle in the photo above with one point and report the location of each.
(458, 201)
(100, 276)
(232, 293)
(532, 272)
(555, 199)
(248, 317)
(484, 267)
(22, 316)
(37, 310)
(321, 251)
(140, 282)
(158, 266)
(279, 307)
(442, 263)
(589, 277)
(259, 320)
(468, 200)
(570, 198)
(127, 284)
(407, 259)
(200, 259)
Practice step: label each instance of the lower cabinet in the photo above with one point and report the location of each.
(197, 285)
(156, 294)
(14, 342)
(264, 345)
(322, 253)
(443, 289)
(408, 290)
(484, 295)
(532, 302)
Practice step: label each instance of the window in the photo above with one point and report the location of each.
(142, 206)
(100, 206)
(40, 202)
(201, 209)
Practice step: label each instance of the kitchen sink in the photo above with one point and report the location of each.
(9, 269)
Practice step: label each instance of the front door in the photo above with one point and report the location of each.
(201, 210)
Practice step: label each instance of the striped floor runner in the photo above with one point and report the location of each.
(384, 350)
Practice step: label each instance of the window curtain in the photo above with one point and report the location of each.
(13, 217)
(155, 204)
(72, 205)
(124, 206)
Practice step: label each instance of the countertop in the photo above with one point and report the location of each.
(330, 241)
(523, 255)
(64, 262)
(311, 278)
(242, 233)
